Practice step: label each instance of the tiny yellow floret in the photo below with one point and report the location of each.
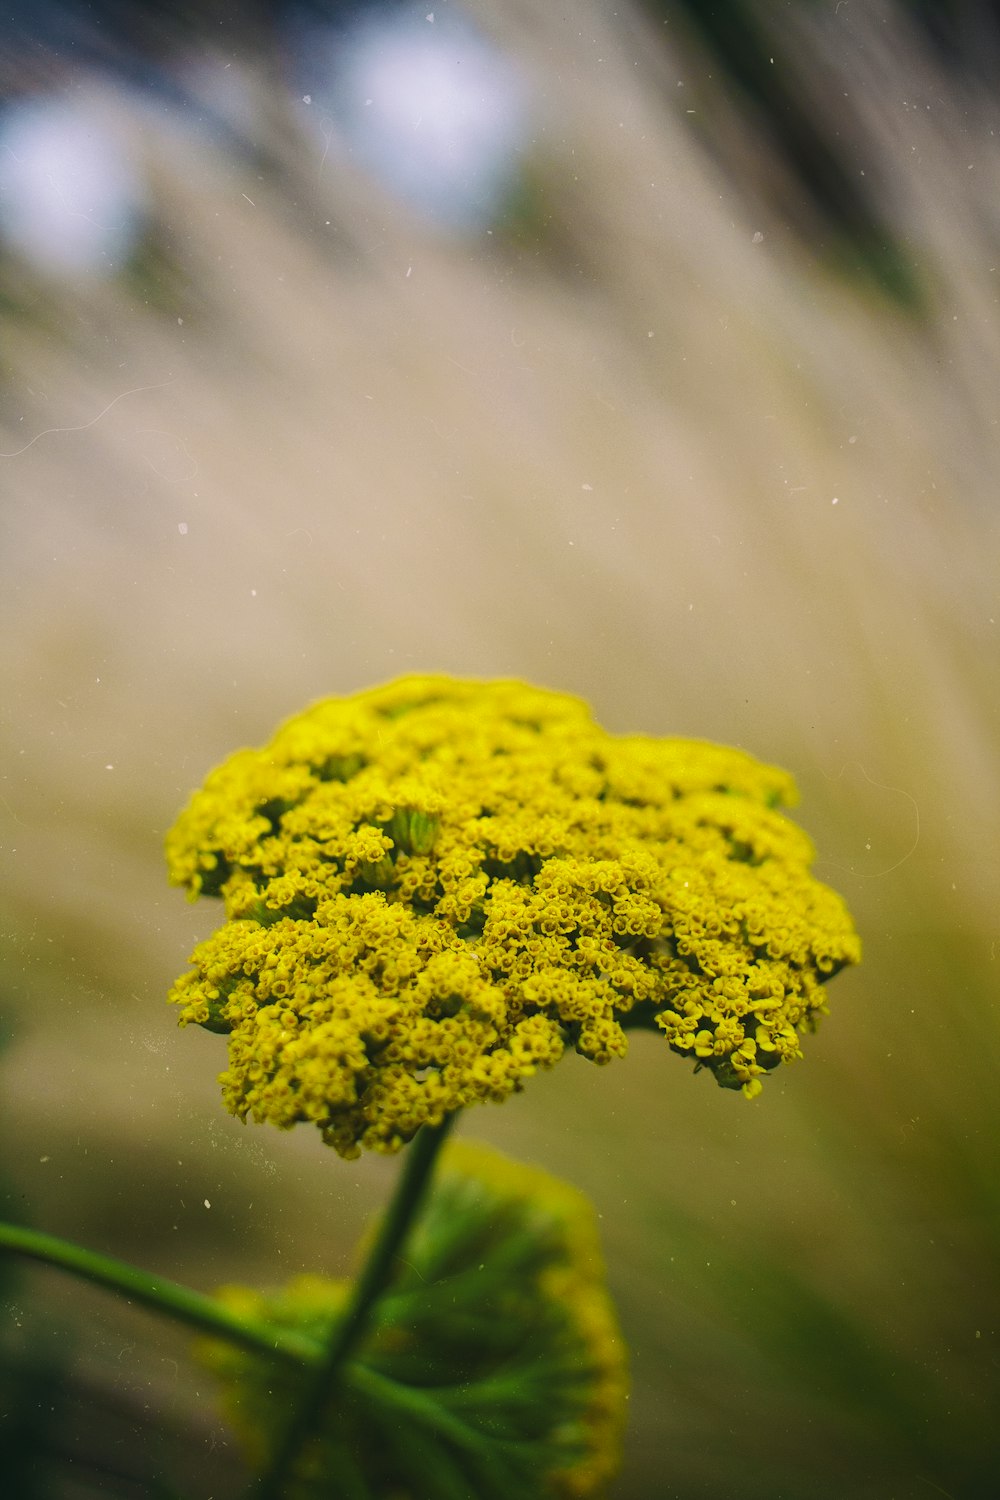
(435, 887)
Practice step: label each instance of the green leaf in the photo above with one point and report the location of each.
(493, 1367)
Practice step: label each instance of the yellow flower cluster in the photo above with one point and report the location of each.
(503, 1296)
(435, 887)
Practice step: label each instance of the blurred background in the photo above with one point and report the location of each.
(649, 351)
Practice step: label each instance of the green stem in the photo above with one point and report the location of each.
(161, 1296)
(423, 1406)
(428, 1407)
(410, 1191)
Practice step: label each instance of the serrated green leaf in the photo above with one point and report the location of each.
(492, 1369)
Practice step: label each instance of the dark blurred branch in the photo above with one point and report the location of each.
(743, 39)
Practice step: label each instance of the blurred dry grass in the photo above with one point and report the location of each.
(644, 455)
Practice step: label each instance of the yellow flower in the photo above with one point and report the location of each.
(435, 887)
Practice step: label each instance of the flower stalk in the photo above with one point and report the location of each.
(161, 1295)
(411, 1190)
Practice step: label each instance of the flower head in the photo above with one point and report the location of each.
(435, 887)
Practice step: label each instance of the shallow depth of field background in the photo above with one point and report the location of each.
(616, 362)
